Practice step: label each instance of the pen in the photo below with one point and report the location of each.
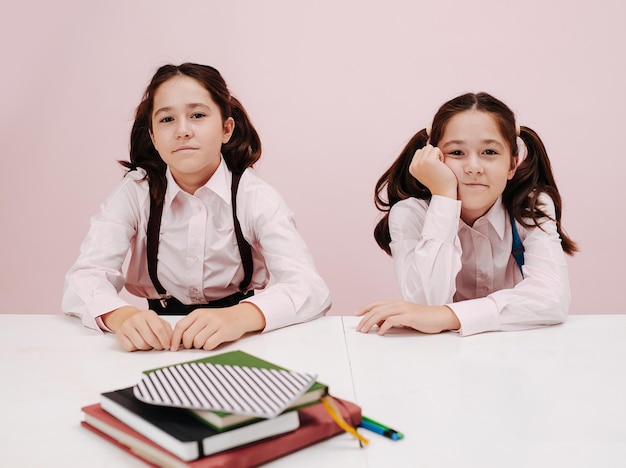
(378, 428)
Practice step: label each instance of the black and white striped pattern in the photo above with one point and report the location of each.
(251, 391)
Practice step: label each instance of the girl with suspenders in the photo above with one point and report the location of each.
(474, 233)
(207, 238)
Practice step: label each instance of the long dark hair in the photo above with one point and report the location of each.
(242, 150)
(532, 177)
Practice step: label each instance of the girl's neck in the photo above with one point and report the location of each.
(191, 182)
(470, 218)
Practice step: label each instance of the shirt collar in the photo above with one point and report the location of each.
(496, 216)
(219, 183)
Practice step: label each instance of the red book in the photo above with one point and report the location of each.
(316, 425)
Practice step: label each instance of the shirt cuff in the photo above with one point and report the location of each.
(101, 324)
(280, 307)
(442, 219)
(93, 317)
(476, 315)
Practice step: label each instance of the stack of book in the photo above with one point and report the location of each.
(170, 434)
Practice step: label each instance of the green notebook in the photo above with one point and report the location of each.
(223, 421)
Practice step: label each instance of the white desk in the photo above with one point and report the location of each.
(51, 366)
(551, 397)
(541, 398)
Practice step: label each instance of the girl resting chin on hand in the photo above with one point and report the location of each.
(474, 233)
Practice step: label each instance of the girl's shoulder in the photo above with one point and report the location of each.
(546, 223)
(257, 199)
(133, 189)
(408, 212)
(418, 207)
(252, 185)
(259, 205)
(545, 203)
(411, 204)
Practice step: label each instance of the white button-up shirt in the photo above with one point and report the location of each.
(439, 260)
(198, 259)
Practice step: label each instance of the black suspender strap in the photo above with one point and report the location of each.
(517, 249)
(152, 243)
(152, 247)
(244, 248)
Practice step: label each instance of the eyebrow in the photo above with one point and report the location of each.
(462, 142)
(193, 105)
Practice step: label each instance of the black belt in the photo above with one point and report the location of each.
(175, 307)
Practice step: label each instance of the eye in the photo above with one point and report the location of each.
(455, 153)
(490, 152)
(166, 120)
(197, 115)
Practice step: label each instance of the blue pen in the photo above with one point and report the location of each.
(378, 428)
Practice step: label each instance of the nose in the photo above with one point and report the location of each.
(473, 165)
(183, 130)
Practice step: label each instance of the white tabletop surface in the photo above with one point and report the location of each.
(540, 398)
(550, 397)
(51, 366)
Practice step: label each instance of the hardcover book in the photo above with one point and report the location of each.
(316, 425)
(181, 433)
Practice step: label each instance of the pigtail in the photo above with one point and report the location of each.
(533, 177)
(143, 154)
(381, 233)
(243, 149)
(398, 184)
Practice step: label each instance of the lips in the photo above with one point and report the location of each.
(185, 148)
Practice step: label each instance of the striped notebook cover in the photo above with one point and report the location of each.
(258, 392)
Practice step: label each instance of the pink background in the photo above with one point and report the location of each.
(335, 88)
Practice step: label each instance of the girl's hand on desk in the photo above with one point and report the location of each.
(209, 328)
(139, 329)
(423, 318)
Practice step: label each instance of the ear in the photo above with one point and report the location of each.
(514, 162)
(229, 128)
